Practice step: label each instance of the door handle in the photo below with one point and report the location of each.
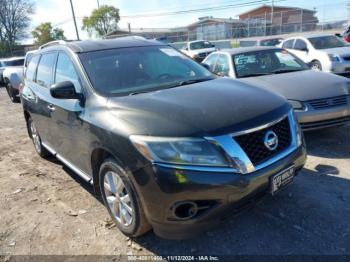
(51, 108)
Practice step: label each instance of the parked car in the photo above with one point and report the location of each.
(326, 53)
(166, 144)
(260, 42)
(13, 77)
(6, 62)
(320, 99)
(198, 50)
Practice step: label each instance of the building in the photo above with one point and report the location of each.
(210, 28)
(265, 20)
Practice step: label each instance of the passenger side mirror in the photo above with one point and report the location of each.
(206, 66)
(305, 49)
(64, 90)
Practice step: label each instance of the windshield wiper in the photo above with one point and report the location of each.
(256, 74)
(281, 71)
(192, 81)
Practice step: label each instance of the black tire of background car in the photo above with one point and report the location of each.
(316, 65)
(12, 94)
(139, 225)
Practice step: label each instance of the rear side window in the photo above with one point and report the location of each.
(44, 74)
(65, 71)
(300, 45)
(30, 72)
(211, 61)
(288, 44)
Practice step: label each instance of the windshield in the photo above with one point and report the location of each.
(325, 42)
(266, 62)
(18, 62)
(200, 45)
(133, 70)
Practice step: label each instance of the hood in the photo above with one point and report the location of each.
(303, 85)
(340, 51)
(213, 107)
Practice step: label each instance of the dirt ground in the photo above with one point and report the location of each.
(46, 209)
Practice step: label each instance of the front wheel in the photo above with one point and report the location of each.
(12, 93)
(34, 135)
(121, 200)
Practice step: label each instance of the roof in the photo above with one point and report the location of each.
(96, 45)
(276, 7)
(309, 36)
(218, 20)
(240, 50)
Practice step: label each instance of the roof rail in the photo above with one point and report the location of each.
(52, 43)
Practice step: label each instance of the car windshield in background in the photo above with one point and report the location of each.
(135, 70)
(200, 45)
(325, 42)
(266, 62)
(19, 62)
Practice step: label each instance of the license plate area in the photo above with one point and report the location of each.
(281, 180)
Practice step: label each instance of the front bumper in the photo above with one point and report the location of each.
(316, 119)
(162, 188)
(342, 67)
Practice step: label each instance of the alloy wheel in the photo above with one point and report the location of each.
(35, 137)
(118, 198)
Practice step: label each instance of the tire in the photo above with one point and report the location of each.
(12, 93)
(121, 199)
(316, 65)
(34, 135)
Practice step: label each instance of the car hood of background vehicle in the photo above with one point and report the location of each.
(303, 85)
(208, 108)
(341, 51)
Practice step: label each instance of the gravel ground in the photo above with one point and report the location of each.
(46, 209)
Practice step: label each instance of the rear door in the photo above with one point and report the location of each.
(39, 94)
(300, 49)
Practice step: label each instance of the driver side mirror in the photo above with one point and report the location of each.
(64, 90)
(305, 49)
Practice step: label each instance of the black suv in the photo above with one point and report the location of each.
(166, 144)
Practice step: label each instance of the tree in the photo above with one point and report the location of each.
(102, 21)
(14, 20)
(44, 33)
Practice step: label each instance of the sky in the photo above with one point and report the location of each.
(58, 12)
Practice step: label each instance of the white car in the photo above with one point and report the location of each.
(327, 53)
(13, 77)
(198, 50)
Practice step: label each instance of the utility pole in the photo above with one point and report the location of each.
(272, 10)
(98, 4)
(75, 22)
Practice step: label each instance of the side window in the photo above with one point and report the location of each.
(300, 45)
(211, 61)
(45, 69)
(288, 44)
(222, 65)
(30, 72)
(65, 71)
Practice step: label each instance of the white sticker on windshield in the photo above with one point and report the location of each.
(171, 52)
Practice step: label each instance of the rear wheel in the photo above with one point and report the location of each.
(34, 135)
(12, 93)
(316, 65)
(121, 200)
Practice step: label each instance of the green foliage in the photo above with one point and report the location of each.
(102, 21)
(44, 33)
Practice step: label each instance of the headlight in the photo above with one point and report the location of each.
(297, 105)
(298, 131)
(188, 151)
(334, 58)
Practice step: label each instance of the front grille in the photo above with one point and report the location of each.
(328, 102)
(253, 143)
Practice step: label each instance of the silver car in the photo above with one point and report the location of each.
(319, 99)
